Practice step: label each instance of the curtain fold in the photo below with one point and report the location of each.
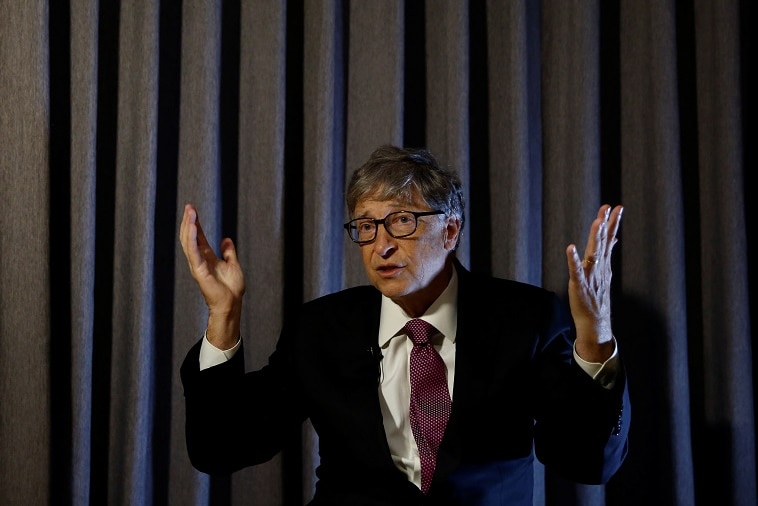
(81, 249)
(25, 254)
(513, 153)
(376, 92)
(728, 423)
(448, 92)
(653, 243)
(117, 114)
(261, 210)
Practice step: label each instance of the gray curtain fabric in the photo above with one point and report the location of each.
(116, 114)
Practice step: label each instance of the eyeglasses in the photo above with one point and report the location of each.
(398, 224)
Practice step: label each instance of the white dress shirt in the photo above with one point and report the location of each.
(395, 386)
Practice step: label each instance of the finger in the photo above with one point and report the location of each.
(604, 212)
(594, 240)
(188, 236)
(202, 241)
(185, 224)
(603, 241)
(229, 252)
(607, 231)
(613, 226)
(184, 229)
(574, 262)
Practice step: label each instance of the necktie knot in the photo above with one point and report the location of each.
(419, 331)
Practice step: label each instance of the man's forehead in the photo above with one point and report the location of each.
(372, 204)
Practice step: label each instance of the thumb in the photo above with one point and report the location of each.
(228, 251)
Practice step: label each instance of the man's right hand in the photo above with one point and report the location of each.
(221, 280)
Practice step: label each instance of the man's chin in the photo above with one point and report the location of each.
(391, 288)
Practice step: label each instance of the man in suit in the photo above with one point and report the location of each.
(448, 410)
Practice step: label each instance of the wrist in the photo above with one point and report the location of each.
(595, 342)
(223, 329)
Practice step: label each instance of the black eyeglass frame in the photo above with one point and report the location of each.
(383, 222)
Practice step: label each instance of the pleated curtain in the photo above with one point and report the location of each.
(116, 114)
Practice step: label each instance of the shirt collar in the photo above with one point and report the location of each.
(443, 314)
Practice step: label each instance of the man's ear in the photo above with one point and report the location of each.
(452, 232)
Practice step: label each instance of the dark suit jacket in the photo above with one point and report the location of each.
(516, 388)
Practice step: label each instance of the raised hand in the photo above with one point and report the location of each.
(221, 280)
(589, 286)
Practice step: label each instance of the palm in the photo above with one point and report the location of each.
(220, 281)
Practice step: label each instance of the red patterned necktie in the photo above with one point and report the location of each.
(430, 398)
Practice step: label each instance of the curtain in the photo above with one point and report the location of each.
(116, 114)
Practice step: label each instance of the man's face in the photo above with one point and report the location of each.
(412, 270)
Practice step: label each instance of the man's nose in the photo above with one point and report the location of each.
(384, 242)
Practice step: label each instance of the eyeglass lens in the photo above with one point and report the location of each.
(398, 224)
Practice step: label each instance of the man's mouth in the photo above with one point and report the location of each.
(388, 270)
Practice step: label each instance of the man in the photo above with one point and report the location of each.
(451, 417)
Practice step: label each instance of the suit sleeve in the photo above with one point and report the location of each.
(235, 419)
(581, 428)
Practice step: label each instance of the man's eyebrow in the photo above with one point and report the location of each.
(394, 208)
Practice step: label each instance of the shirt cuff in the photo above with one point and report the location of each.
(210, 355)
(604, 373)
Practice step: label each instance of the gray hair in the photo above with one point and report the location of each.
(394, 173)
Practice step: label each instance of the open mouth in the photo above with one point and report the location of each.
(388, 270)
